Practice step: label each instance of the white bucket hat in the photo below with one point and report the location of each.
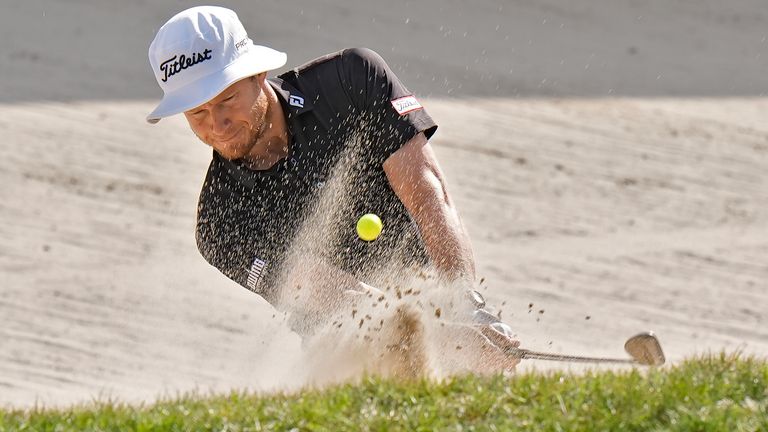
(200, 52)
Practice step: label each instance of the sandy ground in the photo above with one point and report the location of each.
(645, 210)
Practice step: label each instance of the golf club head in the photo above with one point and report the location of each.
(645, 349)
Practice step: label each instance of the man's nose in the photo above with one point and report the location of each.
(221, 122)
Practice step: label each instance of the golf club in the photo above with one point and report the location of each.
(644, 348)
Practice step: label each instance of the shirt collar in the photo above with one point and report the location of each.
(292, 98)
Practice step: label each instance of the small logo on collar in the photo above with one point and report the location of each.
(296, 101)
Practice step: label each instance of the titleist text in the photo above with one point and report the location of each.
(172, 66)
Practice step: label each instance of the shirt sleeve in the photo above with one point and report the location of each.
(392, 115)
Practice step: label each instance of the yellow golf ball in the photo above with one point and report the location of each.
(369, 227)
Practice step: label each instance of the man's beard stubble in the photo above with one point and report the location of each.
(255, 130)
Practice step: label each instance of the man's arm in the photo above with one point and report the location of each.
(416, 178)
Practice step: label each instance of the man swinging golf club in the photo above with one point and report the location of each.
(276, 143)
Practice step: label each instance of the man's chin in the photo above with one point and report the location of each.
(233, 154)
(230, 156)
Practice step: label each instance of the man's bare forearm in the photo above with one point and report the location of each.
(443, 232)
(416, 178)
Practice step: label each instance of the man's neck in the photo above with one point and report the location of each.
(272, 145)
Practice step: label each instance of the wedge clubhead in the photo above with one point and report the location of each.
(645, 349)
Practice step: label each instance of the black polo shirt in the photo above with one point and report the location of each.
(347, 113)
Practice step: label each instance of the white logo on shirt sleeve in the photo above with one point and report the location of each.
(406, 104)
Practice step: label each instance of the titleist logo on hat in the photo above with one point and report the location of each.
(201, 51)
(172, 66)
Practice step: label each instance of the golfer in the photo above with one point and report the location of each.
(279, 143)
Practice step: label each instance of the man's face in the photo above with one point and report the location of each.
(233, 121)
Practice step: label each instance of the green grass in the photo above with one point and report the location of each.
(714, 393)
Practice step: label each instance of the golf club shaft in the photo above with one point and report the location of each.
(527, 354)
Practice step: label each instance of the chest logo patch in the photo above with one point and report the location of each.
(406, 104)
(254, 273)
(296, 101)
